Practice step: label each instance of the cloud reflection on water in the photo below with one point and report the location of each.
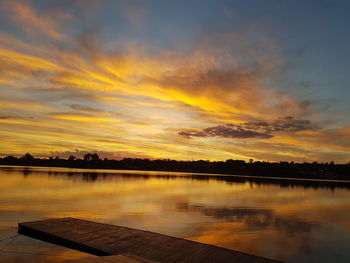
(253, 219)
(286, 221)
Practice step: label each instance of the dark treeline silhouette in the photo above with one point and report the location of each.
(329, 171)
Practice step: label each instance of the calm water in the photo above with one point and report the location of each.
(292, 223)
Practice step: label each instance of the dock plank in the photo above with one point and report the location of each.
(111, 259)
(103, 239)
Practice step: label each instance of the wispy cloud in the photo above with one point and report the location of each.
(82, 94)
(93, 110)
(33, 21)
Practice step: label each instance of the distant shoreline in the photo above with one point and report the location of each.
(330, 173)
(195, 173)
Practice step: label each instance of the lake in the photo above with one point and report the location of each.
(283, 220)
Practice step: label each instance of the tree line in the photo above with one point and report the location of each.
(312, 170)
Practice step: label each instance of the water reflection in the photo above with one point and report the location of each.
(290, 221)
(24, 249)
(253, 219)
(93, 175)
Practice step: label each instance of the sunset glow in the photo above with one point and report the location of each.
(122, 79)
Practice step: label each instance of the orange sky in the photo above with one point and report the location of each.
(67, 89)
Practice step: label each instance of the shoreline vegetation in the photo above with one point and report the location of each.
(268, 170)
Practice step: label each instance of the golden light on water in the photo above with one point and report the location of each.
(296, 220)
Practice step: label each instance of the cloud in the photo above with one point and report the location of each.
(84, 88)
(16, 105)
(50, 18)
(282, 124)
(93, 110)
(201, 79)
(258, 130)
(225, 132)
(80, 117)
(6, 117)
(289, 124)
(88, 42)
(32, 21)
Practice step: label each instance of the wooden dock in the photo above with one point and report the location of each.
(104, 240)
(111, 259)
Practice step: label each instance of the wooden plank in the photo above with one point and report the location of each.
(103, 239)
(111, 259)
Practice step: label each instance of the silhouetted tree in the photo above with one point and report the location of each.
(72, 158)
(312, 170)
(95, 157)
(27, 157)
(10, 158)
(87, 157)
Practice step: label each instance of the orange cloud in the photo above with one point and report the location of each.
(146, 99)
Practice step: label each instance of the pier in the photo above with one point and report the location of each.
(127, 244)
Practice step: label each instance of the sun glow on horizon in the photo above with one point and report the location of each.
(67, 84)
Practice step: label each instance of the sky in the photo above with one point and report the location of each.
(185, 80)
